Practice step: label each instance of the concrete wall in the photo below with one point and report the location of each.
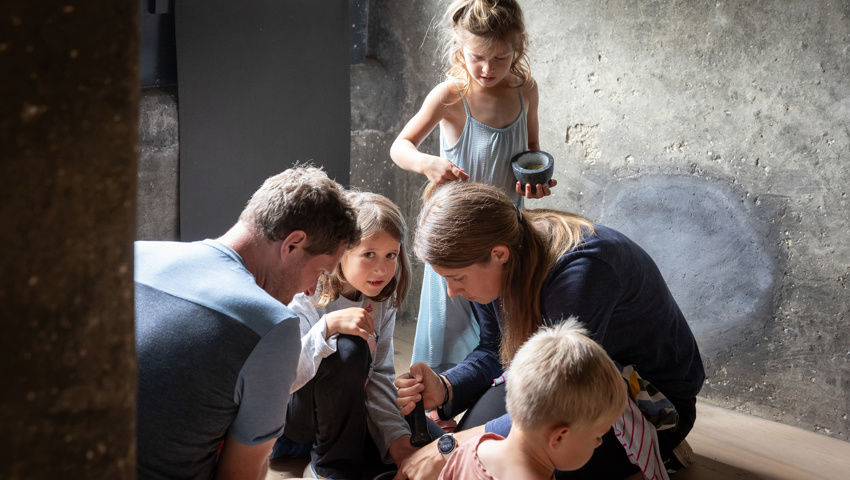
(715, 134)
(158, 212)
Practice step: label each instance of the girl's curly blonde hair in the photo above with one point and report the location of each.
(486, 23)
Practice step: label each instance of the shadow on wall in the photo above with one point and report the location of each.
(714, 248)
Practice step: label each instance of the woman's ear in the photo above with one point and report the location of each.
(500, 254)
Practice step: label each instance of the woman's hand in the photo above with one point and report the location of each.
(425, 464)
(540, 192)
(440, 170)
(421, 383)
(350, 321)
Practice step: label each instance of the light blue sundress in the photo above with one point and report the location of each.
(446, 329)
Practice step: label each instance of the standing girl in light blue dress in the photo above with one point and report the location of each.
(487, 113)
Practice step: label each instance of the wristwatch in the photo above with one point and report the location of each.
(447, 445)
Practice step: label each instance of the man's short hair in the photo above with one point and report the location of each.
(303, 198)
(561, 376)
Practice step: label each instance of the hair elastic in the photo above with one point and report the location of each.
(446, 399)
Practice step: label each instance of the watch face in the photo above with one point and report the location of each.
(446, 444)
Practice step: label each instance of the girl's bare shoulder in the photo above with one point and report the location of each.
(529, 91)
(446, 97)
(450, 90)
(530, 87)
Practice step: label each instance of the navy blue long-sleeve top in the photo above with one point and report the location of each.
(613, 287)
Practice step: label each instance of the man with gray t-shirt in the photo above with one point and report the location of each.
(216, 345)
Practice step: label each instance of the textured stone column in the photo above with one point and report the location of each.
(68, 136)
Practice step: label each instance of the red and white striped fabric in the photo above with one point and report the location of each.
(639, 439)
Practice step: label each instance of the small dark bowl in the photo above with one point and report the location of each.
(534, 167)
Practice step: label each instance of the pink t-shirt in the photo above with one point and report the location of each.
(464, 463)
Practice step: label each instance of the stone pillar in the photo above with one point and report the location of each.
(68, 141)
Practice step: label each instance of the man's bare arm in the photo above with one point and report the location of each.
(241, 462)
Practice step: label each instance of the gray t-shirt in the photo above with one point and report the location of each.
(217, 355)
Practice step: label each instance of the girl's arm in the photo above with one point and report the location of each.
(315, 341)
(320, 340)
(533, 126)
(314, 347)
(386, 424)
(531, 116)
(405, 149)
(319, 333)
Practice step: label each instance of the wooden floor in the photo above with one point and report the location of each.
(727, 444)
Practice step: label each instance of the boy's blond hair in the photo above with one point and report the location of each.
(561, 376)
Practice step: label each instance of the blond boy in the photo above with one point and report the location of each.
(563, 395)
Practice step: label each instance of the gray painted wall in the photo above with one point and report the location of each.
(715, 134)
(246, 111)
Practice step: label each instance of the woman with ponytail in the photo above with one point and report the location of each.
(523, 269)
